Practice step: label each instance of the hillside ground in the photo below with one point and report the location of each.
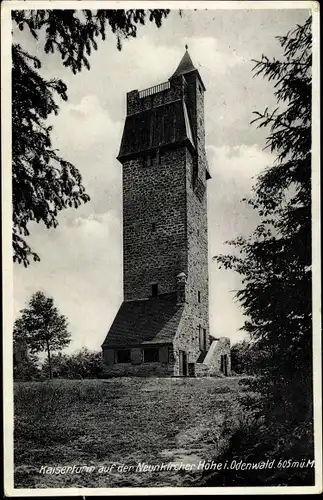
(127, 422)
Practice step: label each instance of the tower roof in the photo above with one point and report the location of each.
(150, 321)
(186, 66)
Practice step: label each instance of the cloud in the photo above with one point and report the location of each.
(238, 164)
(81, 267)
(233, 170)
(211, 59)
(88, 137)
(81, 264)
(158, 62)
(80, 127)
(226, 318)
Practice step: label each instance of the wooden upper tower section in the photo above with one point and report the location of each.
(165, 115)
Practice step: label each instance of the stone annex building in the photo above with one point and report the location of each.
(162, 326)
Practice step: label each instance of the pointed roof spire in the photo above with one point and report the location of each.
(186, 65)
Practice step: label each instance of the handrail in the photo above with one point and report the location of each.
(154, 90)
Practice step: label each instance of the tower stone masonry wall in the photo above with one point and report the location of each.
(154, 224)
(196, 313)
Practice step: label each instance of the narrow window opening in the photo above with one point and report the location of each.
(151, 355)
(199, 296)
(202, 339)
(123, 356)
(154, 290)
(153, 227)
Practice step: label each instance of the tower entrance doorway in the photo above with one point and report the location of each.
(183, 365)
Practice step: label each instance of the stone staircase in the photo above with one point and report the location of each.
(208, 363)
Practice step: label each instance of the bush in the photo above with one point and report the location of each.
(82, 364)
(25, 364)
(264, 432)
(253, 442)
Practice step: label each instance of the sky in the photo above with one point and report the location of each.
(81, 260)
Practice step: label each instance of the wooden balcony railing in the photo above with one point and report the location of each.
(154, 90)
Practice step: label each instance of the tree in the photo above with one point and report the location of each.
(43, 183)
(275, 261)
(246, 358)
(42, 328)
(60, 366)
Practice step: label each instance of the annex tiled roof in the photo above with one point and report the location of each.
(153, 320)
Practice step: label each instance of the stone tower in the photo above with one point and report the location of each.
(162, 326)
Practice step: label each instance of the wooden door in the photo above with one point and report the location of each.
(225, 365)
(183, 369)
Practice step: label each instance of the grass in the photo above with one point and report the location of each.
(122, 421)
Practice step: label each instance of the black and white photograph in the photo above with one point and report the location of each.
(161, 247)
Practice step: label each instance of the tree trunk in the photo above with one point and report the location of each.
(49, 361)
